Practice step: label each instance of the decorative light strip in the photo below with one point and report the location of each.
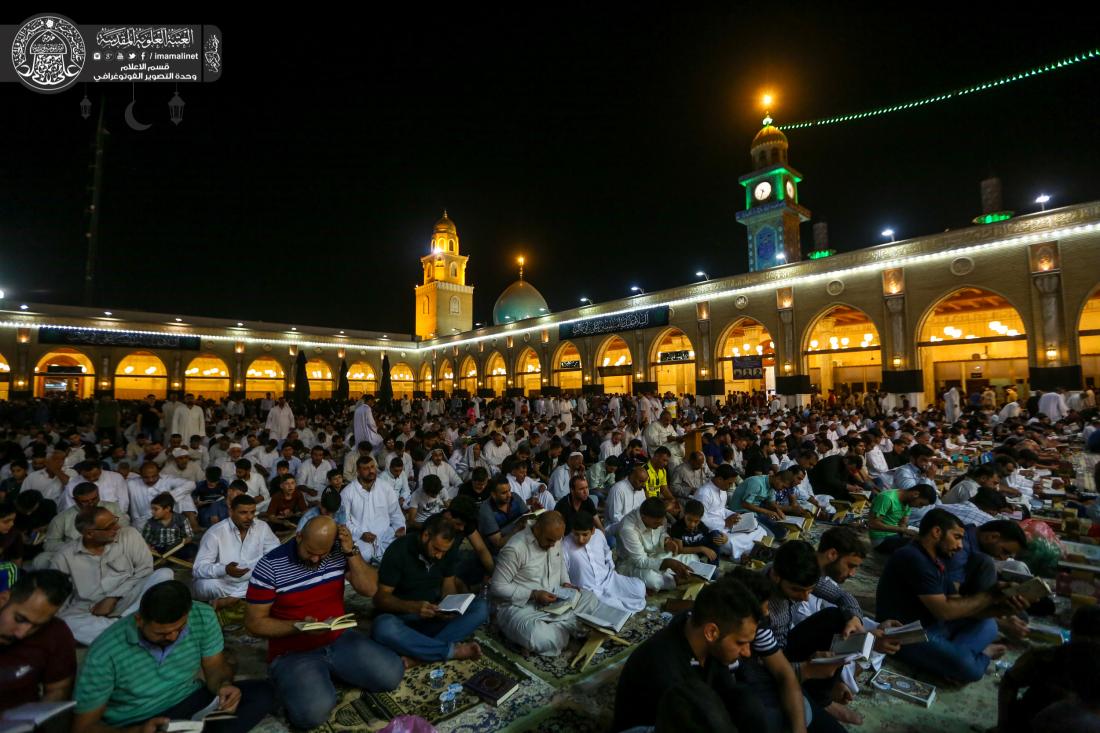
(1037, 71)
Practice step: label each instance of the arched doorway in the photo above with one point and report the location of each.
(5, 378)
(427, 382)
(320, 379)
(207, 376)
(843, 352)
(446, 377)
(402, 380)
(64, 370)
(746, 343)
(568, 368)
(467, 375)
(496, 373)
(529, 371)
(361, 380)
(264, 375)
(970, 339)
(139, 374)
(615, 366)
(1088, 329)
(673, 359)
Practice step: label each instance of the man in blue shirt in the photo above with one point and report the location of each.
(914, 587)
(496, 520)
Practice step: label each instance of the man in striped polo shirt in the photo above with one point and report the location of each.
(303, 580)
(142, 671)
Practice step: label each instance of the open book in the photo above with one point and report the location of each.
(347, 621)
(706, 571)
(606, 618)
(1032, 590)
(531, 515)
(35, 714)
(910, 633)
(567, 600)
(209, 713)
(746, 522)
(856, 646)
(802, 524)
(457, 603)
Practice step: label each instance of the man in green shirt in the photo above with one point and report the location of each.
(889, 522)
(141, 672)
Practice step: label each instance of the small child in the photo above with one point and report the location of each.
(9, 487)
(425, 501)
(289, 503)
(695, 537)
(329, 506)
(167, 528)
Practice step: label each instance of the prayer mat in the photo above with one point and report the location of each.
(416, 696)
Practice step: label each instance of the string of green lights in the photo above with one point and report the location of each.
(1037, 71)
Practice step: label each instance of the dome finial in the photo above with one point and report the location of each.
(520, 260)
(766, 101)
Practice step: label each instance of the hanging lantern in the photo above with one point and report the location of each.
(175, 109)
(85, 107)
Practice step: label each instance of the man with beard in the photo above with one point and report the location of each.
(228, 553)
(37, 651)
(303, 580)
(142, 673)
(915, 587)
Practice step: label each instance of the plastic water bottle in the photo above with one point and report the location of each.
(447, 702)
(435, 678)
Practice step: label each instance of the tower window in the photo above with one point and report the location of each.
(455, 307)
(454, 270)
(424, 305)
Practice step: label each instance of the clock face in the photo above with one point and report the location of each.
(762, 190)
(790, 189)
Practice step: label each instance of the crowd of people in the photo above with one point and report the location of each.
(127, 527)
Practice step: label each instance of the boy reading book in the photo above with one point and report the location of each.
(168, 528)
(288, 504)
(695, 537)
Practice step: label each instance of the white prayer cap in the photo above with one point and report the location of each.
(180, 453)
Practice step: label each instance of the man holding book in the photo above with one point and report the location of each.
(714, 495)
(416, 575)
(646, 551)
(142, 673)
(591, 567)
(303, 581)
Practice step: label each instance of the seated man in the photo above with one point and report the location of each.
(474, 566)
(374, 515)
(625, 496)
(705, 644)
(601, 475)
(714, 496)
(303, 580)
(62, 529)
(143, 672)
(397, 480)
(535, 493)
(591, 567)
(229, 551)
(757, 494)
(425, 502)
(110, 566)
(646, 551)
(577, 500)
(330, 505)
(500, 516)
(690, 475)
(528, 569)
(417, 572)
(889, 521)
(37, 651)
(914, 587)
(150, 484)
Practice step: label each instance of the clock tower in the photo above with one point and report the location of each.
(444, 303)
(772, 213)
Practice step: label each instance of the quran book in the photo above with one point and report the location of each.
(904, 687)
(1033, 590)
(706, 571)
(745, 523)
(457, 603)
(910, 633)
(210, 713)
(606, 618)
(567, 600)
(532, 515)
(492, 686)
(347, 621)
(857, 645)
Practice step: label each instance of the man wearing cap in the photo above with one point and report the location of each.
(561, 476)
(111, 485)
(182, 466)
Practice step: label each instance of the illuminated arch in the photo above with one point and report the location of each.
(614, 365)
(139, 374)
(528, 371)
(362, 379)
(5, 378)
(264, 375)
(672, 356)
(207, 376)
(81, 382)
(467, 375)
(445, 377)
(496, 373)
(426, 381)
(320, 379)
(568, 377)
(842, 351)
(745, 337)
(1088, 330)
(402, 380)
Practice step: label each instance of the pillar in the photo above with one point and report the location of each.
(22, 376)
(105, 377)
(1051, 370)
(790, 381)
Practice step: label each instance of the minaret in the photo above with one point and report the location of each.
(444, 302)
(772, 213)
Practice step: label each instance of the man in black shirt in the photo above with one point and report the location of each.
(477, 488)
(704, 642)
(577, 501)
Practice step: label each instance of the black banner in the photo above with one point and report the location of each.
(632, 321)
(622, 370)
(98, 337)
(674, 357)
(567, 365)
(748, 367)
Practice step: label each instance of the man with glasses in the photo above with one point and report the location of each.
(111, 567)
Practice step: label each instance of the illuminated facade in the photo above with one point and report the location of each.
(444, 302)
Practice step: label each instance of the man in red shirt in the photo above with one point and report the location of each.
(303, 580)
(36, 649)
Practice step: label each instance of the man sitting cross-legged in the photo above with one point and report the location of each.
(588, 559)
(229, 551)
(417, 572)
(914, 587)
(646, 551)
(303, 580)
(143, 671)
(529, 567)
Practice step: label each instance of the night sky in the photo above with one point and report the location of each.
(603, 144)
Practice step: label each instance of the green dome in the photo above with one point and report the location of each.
(519, 301)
